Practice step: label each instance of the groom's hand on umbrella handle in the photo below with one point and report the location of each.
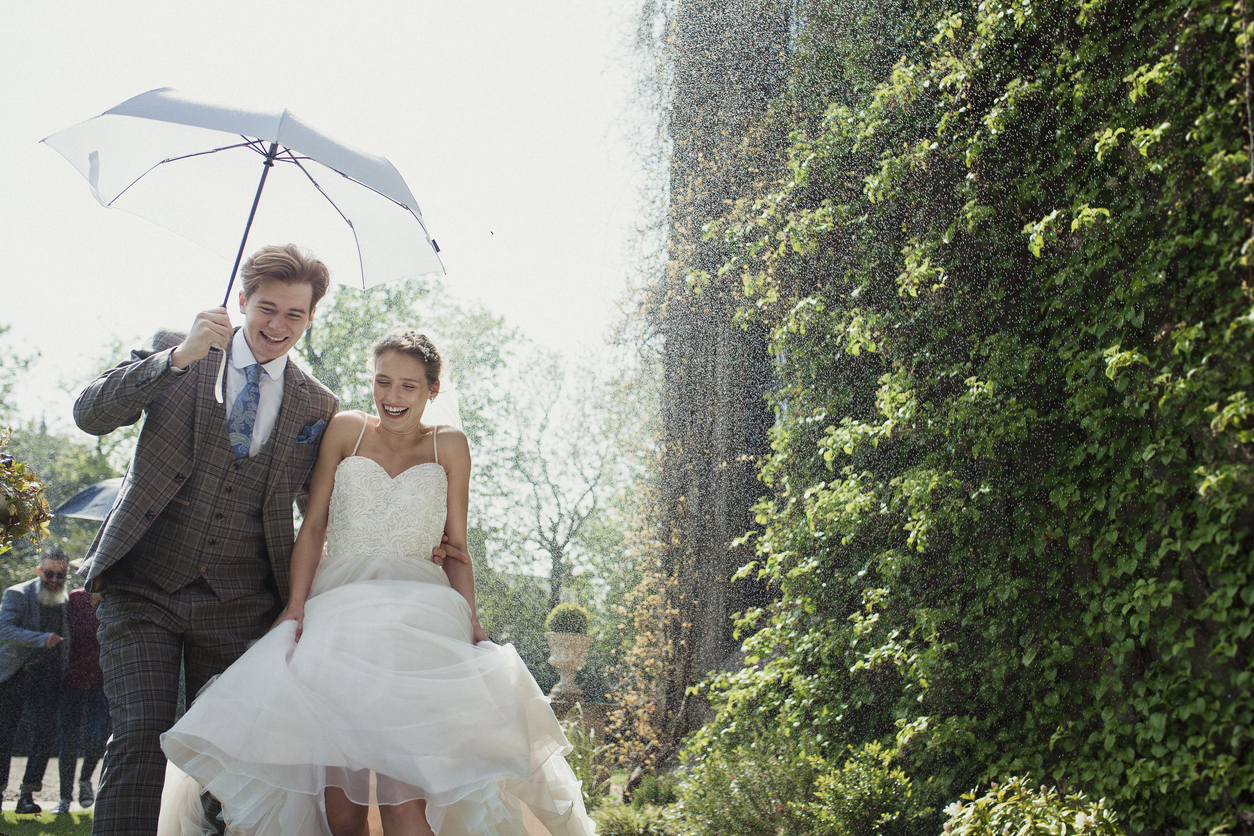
(211, 328)
(444, 551)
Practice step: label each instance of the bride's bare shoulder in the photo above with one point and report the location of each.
(454, 441)
(344, 430)
(350, 420)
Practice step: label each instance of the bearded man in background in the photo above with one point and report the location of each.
(34, 650)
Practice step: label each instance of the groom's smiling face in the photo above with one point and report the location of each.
(275, 316)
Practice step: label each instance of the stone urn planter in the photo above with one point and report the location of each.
(567, 634)
(568, 653)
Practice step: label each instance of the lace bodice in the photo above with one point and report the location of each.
(380, 527)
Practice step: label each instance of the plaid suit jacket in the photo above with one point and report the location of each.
(177, 408)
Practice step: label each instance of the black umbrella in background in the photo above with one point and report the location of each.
(92, 503)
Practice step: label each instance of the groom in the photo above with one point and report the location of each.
(192, 561)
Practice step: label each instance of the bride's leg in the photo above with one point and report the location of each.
(345, 817)
(408, 819)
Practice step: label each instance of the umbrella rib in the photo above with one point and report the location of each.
(151, 168)
(203, 153)
(361, 266)
(411, 210)
(292, 158)
(373, 189)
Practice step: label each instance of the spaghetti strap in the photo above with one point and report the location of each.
(435, 448)
(362, 434)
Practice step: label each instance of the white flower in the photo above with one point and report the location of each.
(1081, 821)
(948, 827)
(953, 809)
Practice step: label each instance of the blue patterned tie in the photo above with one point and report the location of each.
(244, 413)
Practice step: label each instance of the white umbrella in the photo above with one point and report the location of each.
(195, 168)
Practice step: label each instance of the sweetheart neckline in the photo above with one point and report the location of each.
(391, 478)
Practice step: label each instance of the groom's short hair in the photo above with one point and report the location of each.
(288, 264)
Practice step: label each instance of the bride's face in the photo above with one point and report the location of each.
(400, 391)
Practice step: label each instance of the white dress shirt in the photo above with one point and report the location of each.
(270, 387)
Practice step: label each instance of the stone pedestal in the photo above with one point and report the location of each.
(569, 652)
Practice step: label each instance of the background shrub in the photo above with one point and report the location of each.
(587, 759)
(1016, 807)
(567, 617)
(619, 820)
(868, 795)
(654, 790)
(757, 788)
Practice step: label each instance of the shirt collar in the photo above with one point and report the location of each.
(242, 357)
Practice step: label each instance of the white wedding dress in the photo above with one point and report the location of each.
(385, 680)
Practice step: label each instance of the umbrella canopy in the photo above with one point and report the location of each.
(194, 168)
(91, 503)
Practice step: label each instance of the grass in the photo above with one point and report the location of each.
(45, 824)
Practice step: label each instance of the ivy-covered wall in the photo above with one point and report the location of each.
(1005, 264)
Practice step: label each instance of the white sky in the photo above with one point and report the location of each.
(507, 119)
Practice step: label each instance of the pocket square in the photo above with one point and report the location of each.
(310, 434)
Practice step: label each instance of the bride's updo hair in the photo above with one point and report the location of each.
(406, 340)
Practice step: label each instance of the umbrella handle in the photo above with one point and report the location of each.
(217, 384)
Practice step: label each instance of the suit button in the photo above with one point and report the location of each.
(178, 477)
(213, 542)
(203, 569)
(218, 516)
(228, 490)
(149, 515)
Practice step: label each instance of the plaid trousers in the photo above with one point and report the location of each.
(146, 635)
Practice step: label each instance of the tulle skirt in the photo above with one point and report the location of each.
(384, 679)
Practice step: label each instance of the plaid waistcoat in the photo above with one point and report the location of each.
(212, 527)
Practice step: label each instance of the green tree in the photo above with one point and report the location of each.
(118, 447)
(475, 345)
(566, 465)
(66, 463)
(13, 364)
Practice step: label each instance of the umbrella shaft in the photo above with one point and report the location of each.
(269, 162)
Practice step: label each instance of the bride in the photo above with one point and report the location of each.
(378, 665)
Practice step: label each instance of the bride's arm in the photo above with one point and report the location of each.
(461, 576)
(337, 442)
